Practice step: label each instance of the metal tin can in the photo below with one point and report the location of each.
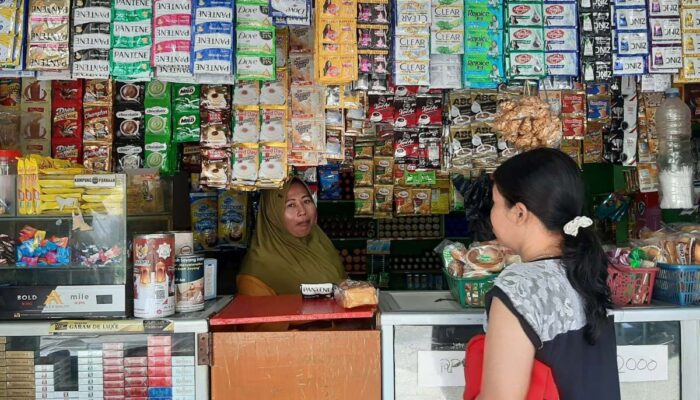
(154, 275)
(189, 279)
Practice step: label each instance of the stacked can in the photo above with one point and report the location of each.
(113, 370)
(20, 385)
(136, 377)
(50, 373)
(160, 379)
(90, 370)
(154, 275)
(183, 371)
(189, 281)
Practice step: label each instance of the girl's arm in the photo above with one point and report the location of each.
(508, 356)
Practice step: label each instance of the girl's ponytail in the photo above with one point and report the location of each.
(587, 269)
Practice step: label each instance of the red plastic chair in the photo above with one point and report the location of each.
(542, 385)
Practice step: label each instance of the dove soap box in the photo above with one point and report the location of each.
(255, 41)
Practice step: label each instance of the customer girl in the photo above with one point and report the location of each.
(553, 306)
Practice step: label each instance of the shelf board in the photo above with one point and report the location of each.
(351, 239)
(416, 271)
(413, 238)
(20, 218)
(356, 272)
(69, 268)
(335, 201)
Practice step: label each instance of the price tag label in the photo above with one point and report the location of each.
(642, 363)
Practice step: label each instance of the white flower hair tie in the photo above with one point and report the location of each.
(571, 228)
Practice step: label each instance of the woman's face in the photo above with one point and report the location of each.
(299, 211)
(501, 219)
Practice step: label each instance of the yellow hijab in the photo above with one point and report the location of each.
(283, 261)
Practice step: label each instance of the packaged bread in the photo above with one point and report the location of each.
(351, 294)
(486, 258)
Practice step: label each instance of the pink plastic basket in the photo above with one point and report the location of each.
(631, 286)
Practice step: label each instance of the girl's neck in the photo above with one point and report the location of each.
(540, 248)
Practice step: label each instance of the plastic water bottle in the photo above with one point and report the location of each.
(675, 158)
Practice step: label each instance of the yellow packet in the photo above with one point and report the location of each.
(22, 208)
(33, 186)
(7, 49)
(364, 201)
(59, 197)
(364, 173)
(56, 183)
(337, 70)
(332, 9)
(100, 198)
(383, 201)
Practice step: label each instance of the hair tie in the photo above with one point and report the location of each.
(571, 228)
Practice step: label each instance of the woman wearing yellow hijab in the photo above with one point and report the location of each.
(288, 248)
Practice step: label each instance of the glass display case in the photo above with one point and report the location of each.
(424, 335)
(108, 359)
(64, 253)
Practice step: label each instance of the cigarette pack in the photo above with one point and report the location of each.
(19, 354)
(188, 391)
(181, 361)
(136, 361)
(19, 370)
(159, 341)
(159, 351)
(160, 362)
(91, 388)
(160, 381)
(89, 374)
(113, 361)
(89, 360)
(11, 362)
(159, 371)
(114, 392)
(90, 368)
(114, 354)
(135, 371)
(21, 384)
(113, 384)
(89, 353)
(179, 372)
(118, 376)
(136, 391)
(112, 346)
(113, 369)
(141, 381)
(90, 381)
(20, 377)
(159, 392)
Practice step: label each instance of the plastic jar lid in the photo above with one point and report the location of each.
(10, 154)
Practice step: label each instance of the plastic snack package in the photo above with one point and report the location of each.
(351, 294)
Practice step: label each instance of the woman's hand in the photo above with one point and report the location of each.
(508, 357)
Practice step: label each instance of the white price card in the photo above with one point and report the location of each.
(642, 363)
(440, 368)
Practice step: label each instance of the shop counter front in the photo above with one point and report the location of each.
(424, 335)
(327, 352)
(108, 358)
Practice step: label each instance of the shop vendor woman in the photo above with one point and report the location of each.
(288, 248)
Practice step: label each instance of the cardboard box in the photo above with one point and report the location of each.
(135, 371)
(19, 354)
(269, 363)
(136, 361)
(20, 377)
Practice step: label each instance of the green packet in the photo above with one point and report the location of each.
(160, 154)
(255, 41)
(253, 14)
(131, 11)
(157, 92)
(255, 67)
(419, 178)
(131, 64)
(185, 97)
(158, 121)
(131, 35)
(185, 112)
(186, 126)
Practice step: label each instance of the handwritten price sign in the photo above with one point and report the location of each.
(642, 363)
(440, 368)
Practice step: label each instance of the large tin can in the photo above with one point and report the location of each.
(189, 281)
(154, 275)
